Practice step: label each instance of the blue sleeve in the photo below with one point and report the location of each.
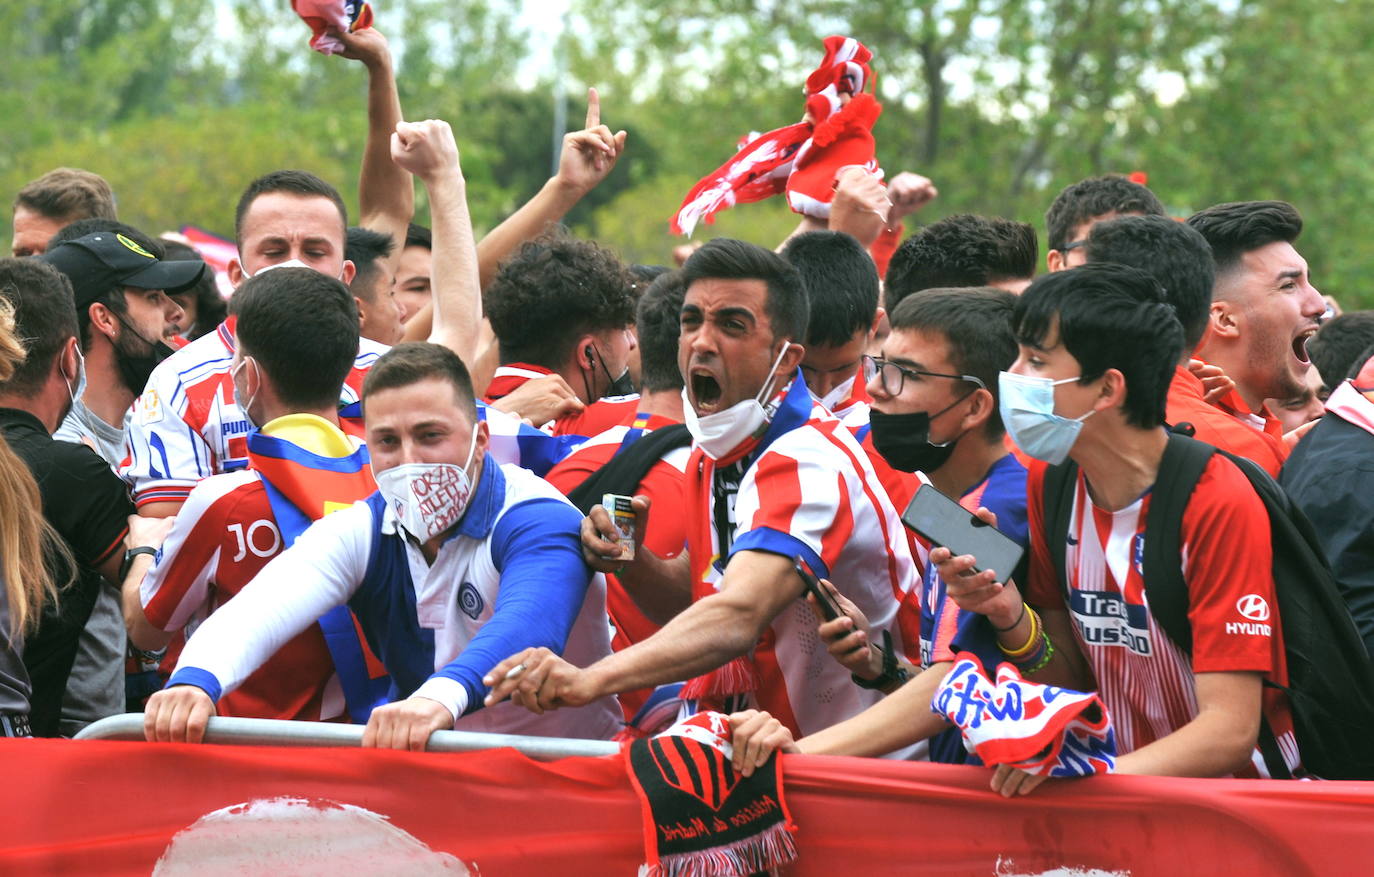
(537, 549)
(202, 679)
(777, 542)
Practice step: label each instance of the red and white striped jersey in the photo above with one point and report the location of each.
(811, 491)
(223, 535)
(186, 425)
(1146, 681)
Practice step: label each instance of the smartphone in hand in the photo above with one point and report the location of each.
(943, 522)
(812, 585)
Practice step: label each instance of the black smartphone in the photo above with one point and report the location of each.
(943, 522)
(812, 585)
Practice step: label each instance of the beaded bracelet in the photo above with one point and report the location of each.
(1044, 660)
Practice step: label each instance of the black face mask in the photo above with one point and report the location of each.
(136, 368)
(903, 440)
(621, 386)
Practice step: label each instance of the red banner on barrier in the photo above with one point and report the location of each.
(87, 807)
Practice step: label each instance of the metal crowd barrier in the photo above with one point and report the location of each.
(273, 732)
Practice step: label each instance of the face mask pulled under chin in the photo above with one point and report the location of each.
(623, 385)
(837, 394)
(79, 389)
(136, 368)
(1027, 408)
(428, 498)
(903, 440)
(719, 433)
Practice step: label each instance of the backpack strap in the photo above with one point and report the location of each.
(623, 472)
(1184, 461)
(1058, 489)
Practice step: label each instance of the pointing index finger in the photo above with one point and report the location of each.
(593, 109)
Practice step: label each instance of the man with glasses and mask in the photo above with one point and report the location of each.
(455, 562)
(773, 477)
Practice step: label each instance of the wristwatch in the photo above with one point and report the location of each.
(129, 556)
(894, 675)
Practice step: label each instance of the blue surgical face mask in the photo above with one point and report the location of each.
(1027, 407)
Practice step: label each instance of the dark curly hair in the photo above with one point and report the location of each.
(553, 291)
(959, 251)
(1094, 197)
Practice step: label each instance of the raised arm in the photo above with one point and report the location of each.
(428, 150)
(386, 195)
(587, 158)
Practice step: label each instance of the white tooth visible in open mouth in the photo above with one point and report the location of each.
(1300, 346)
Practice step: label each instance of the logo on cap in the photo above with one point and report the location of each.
(128, 244)
(1253, 607)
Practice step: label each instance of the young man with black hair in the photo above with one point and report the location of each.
(56, 199)
(486, 563)
(82, 499)
(773, 477)
(1264, 310)
(657, 317)
(1077, 208)
(380, 315)
(935, 420)
(842, 288)
(563, 306)
(124, 314)
(296, 336)
(1098, 348)
(1180, 260)
(962, 250)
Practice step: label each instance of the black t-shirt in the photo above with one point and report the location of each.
(88, 506)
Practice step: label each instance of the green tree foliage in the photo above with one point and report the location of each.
(1001, 102)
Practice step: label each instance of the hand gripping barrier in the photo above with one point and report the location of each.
(273, 732)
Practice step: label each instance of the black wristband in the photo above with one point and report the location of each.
(893, 674)
(129, 560)
(1014, 623)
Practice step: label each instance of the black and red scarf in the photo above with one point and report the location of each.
(701, 818)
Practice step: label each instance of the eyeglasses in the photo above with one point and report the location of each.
(1073, 245)
(894, 375)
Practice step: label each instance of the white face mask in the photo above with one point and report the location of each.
(719, 433)
(244, 404)
(289, 263)
(837, 394)
(428, 498)
(1027, 408)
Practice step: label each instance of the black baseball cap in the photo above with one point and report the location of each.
(103, 260)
